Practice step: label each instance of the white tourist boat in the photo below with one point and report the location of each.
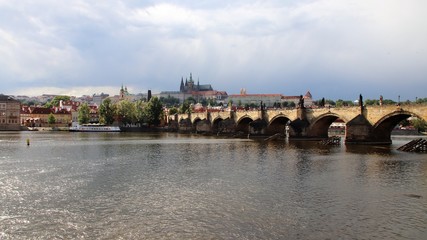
(94, 128)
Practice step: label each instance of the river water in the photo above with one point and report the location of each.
(170, 186)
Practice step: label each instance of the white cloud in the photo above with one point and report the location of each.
(72, 91)
(266, 46)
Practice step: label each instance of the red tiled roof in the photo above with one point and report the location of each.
(210, 93)
(62, 111)
(41, 110)
(256, 95)
(290, 97)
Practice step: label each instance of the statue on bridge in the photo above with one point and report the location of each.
(322, 102)
(301, 102)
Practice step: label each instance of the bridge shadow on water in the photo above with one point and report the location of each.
(369, 149)
(316, 147)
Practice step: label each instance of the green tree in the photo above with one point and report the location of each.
(154, 111)
(140, 114)
(253, 105)
(212, 102)
(330, 102)
(173, 111)
(284, 104)
(421, 100)
(185, 107)
(126, 112)
(169, 101)
(419, 124)
(107, 112)
(370, 102)
(389, 102)
(84, 114)
(292, 104)
(288, 104)
(230, 103)
(405, 123)
(51, 119)
(55, 101)
(191, 100)
(239, 103)
(344, 103)
(204, 102)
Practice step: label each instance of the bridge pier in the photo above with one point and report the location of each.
(360, 131)
(203, 126)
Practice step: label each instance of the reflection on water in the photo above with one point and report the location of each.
(136, 185)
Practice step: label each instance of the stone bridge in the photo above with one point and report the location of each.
(363, 125)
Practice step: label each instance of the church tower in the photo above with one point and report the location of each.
(122, 93)
(191, 83)
(181, 88)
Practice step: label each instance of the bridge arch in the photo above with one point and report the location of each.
(243, 124)
(202, 125)
(216, 124)
(382, 129)
(185, 124)
(196, 120)
(320, 126)
(278, 124)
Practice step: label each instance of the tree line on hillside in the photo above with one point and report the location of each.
(125, 112)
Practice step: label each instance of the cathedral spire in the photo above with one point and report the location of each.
(191, 77)
(181, 88)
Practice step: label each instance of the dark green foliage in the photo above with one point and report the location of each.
(107, 112)
(288, 104)
(173, 111)
(370, 102)
(389, 102)
(125, 111)
(83, 112)
(55, 101)
(140, 115)
(51, 119)
(169, 101)
(419, 124)
(154, 111)
(191, 100)
(376, 102)
(208, 102)
(344, 103)
(185, 107)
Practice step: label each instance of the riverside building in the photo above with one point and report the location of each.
(9, 113)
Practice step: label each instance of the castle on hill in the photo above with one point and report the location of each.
(190, 87)
(197, 91)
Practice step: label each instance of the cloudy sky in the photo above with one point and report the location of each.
(333, 48)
